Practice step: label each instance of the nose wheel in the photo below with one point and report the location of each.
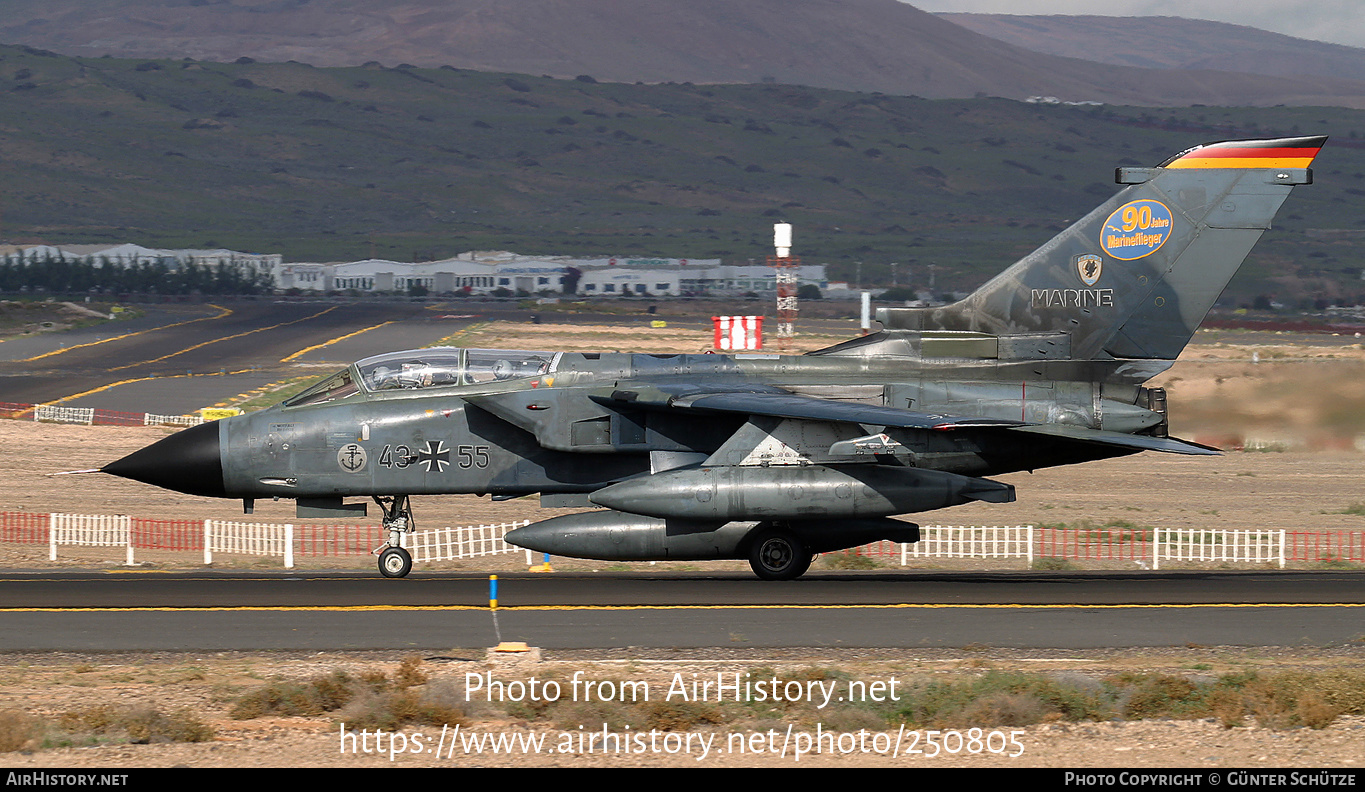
(395, 562)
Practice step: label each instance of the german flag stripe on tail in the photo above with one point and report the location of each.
(1276, 153)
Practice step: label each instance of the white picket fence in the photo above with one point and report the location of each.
(239, 538)
(54, 413)
(152, 419)
(469, 541)
(444, 544)
(1226, 546)
(970, 541)
(1147, 548)
(76, 415)
(273, 539)
(89, 530)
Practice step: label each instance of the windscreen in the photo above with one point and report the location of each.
(337, 386)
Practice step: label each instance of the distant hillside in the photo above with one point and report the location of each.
(863, 45)
(412, 164)
(1170, 43)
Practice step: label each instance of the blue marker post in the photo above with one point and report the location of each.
(493, 605)
(503, 646)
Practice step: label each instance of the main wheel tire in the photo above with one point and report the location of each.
(395, 562)
(776, 554)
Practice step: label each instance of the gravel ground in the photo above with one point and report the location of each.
(50, 685)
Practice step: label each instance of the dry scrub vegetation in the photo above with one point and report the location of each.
(100, 724)
(1247, 707)
(992, 699)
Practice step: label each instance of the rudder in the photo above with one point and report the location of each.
(1136, 276)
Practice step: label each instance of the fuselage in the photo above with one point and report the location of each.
(506, 422)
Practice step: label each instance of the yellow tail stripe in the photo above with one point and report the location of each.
(1195, 161)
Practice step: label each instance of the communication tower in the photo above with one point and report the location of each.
(787, 269)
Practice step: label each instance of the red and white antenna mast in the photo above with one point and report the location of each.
(787, 270)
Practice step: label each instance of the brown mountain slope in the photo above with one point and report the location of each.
(1170, 43)
(867, 45)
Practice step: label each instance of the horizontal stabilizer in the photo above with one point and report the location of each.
(1169, 445)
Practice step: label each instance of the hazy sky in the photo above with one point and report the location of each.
(1337, 21)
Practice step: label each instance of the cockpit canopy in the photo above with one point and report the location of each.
(435, 367)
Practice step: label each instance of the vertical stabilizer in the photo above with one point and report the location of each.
(1136, 276)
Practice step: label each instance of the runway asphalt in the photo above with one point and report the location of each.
(177, 359)
(250, 611)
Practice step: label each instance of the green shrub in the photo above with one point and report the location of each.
(848, 559)
(370, 700)
(17, 730)
(396, 708)
(1165, 696)
(137, 724)
(1034, 696)
(680, 715)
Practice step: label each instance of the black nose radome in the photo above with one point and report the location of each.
(187, 462)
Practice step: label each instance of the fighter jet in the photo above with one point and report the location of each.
(775, 458)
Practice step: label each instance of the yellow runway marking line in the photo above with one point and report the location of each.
(526, 608)
(225, 312)
(137, 571)
(100, 389)
(140, 379)
(303, 352)
(224, 338)
(253, 393)
(459, 334)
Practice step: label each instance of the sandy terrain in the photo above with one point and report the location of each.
(208, 685)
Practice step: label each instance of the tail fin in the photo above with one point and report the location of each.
(1135, 277)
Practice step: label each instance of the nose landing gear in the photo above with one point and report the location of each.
(394, 561)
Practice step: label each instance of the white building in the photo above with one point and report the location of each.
(487, 272)
(382, 275)
(532, 275)
(624, 281)
(473, 272)
(254, 263)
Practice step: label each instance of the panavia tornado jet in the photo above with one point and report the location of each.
(774, 458)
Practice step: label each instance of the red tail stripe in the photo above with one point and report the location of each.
(1246, 153)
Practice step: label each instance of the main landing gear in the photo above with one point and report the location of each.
(778, 554)
(394, 561)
